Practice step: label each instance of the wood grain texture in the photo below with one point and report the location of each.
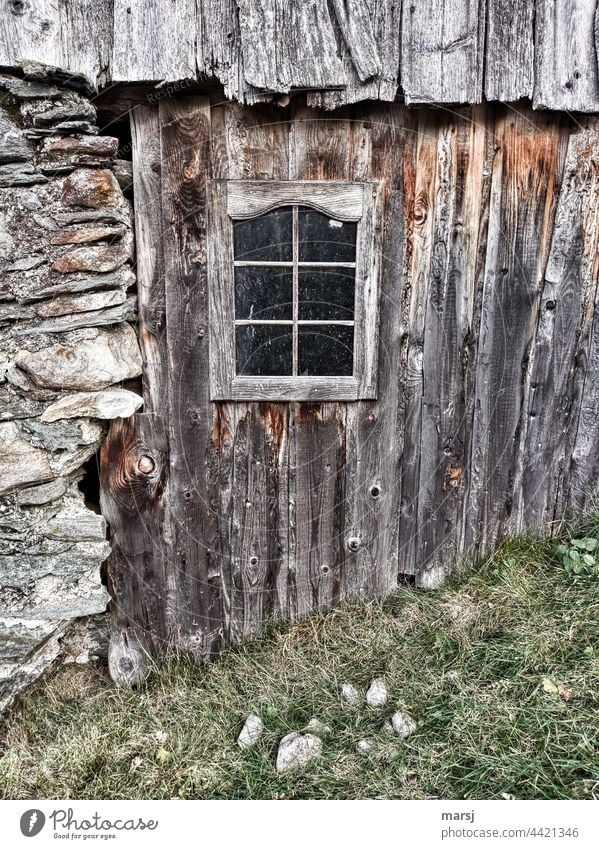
(559, 353)
(525, 173)
(185, 143)
(566, 56)
(155, 40)
(134, 470)
(87, 38)
(442, 44)
(30, 31)
(509, 52)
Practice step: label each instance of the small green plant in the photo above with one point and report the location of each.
(579, 557)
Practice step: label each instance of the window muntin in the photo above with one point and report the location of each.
(295, 271)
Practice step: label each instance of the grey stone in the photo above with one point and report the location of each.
(349, 694)
(66, 305)
(106, 216)
(27, 89)
(14, 146)
(19, 174)
(73, 108)
(26, 263)
(112, 356)
(363, 747)
(127, 311)
(55, 436)
(121, 279)
(49, 75)
(377, 694)
(106, 404)
(296, 750)
(251, 731)
(13, 405)
(14, 312)
(43, 494)
(123, 171)
(91, 187)
(403, 724)
(21, 463)
(76, 525)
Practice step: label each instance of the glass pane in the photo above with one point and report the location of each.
(323, 239)
(264, 349)
(268, 237)
(263, 293)
(326, 350)
(327, 294)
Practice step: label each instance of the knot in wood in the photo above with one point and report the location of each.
(420, 211)
(17, 7)
(146, 464)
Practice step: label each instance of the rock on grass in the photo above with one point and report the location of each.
(251, 731)
(349, 694)
(296, 750)
(403, 724)
(377, 694)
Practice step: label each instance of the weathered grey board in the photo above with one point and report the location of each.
(487, 413)
(433, 51)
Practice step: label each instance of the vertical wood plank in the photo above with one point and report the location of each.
(442, 50)
(185, 144)
(566, 56)
(463, 157)
(30, 31)
(419, 187)
(525, 173)
(559, 358)
(155, 40)
(87, 33)
(134, 471)
(509, 51)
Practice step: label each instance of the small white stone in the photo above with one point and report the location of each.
(349, 694)
(317, 727)
(378, 694)
(403, 724)
(107, 404)
(296, 750)
(387, 727)
(251, 731)
(364, 746)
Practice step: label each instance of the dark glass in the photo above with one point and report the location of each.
(323, 239)
(326, 350)
(326, 294)
(264, 349)
(263, 293)
(268, 237)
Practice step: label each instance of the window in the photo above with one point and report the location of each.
(293, 290)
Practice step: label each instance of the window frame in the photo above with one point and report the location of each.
(230, 200)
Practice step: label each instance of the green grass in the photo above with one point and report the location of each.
(499, 668)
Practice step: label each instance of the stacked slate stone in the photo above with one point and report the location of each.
(66, 347)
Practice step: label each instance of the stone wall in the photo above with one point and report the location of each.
(67, 344)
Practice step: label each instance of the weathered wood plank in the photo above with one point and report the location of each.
(134, 471)
(185, 141)
(463, 156)
(566, 56)
(385, 24)
(560, 373)
(30, 31)
(509, 53)
(356, 24)
(145, 137)
(525, 173)
(155, 40)
(442, 51)
(87, 38)
(374, 435)
(419, 179)
(288, 45)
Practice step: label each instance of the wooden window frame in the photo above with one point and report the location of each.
(230, 200)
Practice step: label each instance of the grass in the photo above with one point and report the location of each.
(499, 668)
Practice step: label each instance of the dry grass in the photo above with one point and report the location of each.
(470, 662)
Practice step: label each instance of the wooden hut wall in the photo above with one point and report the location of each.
(433, 51)
(226, 514)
